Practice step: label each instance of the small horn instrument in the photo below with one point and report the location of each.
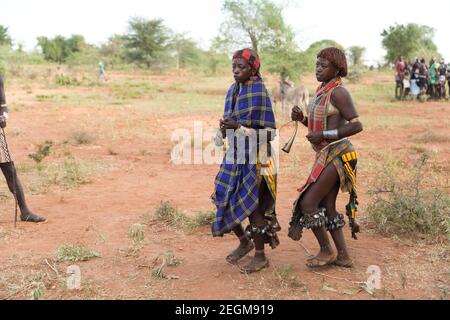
(287, 147)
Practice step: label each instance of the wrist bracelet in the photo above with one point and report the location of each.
(304, 120)
(331, 134)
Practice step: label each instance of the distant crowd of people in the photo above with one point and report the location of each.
(418, 79)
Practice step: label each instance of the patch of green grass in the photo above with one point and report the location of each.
(38, 292)
(44, 97)
(376, 93)
(136, 233)
(286, 276)
(444, 293)
(67, 81)
(69, 172)
(167, 103)
(169, 259)
(158, 272)
(172, 217)
(68, 252)
(409, 208)
(201, 219)
(43, 150)
(73, 172)
(133, 90)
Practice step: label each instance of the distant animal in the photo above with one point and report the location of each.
(290, 96)
(276, 95)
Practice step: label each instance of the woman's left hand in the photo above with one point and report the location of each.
(315, 137)
(229, 124)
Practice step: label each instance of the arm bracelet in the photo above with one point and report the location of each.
(331, 134)
(4, 110)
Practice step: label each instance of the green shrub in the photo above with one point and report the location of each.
(136, 233)
(405, 207)
(72, 253)
(170, 216)
(67, 81)
(43, 151)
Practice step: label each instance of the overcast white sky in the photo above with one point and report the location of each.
(349, 22)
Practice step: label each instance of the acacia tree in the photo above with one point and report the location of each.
(217, 54)
(252, 22)
(147, 42)
(259, 24)
(409, 41)
(283, 57)
(310, 54)
(356, 54)
(185, 49)
(59, 49)
(114, 49)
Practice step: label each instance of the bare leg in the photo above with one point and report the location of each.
(343, 258)
(9, 171)
(326, 253)
(257, 219)
(310, 203)
(259, 261)
(245, 246)
(397, 91)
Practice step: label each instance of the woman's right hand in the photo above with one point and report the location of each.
(297, 114)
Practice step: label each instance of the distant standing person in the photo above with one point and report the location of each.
(442, 71)
(406, 83)
(422, 77)
(448, 79)
(7, 166)
(101, 71)
(400, 69)
(432, 72)
(415, 69)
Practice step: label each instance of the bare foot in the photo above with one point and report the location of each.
(257, 264)
(240, 252)
(31, 217)
(343, 260)
(323, 258)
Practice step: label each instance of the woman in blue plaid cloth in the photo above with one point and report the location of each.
(245, 186)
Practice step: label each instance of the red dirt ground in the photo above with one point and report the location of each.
(98, 214)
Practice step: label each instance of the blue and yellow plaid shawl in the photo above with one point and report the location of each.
(236, 187)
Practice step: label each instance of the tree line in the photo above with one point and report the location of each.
(150, 44)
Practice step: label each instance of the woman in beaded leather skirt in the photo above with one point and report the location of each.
(331, 118)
